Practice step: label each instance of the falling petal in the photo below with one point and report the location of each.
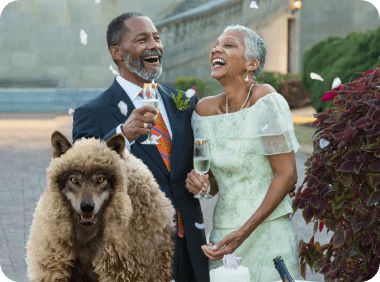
(336, 82)
(83, 37)
(254, 5)
(190, 93)
(200, 225)
(323, 143)
(71, 111)
(265, 127)
(114, 72)
(123, 108)
(313, 75)
(97, 1)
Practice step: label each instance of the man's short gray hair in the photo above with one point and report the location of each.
(255, 47)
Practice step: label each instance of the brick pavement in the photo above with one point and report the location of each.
(25, 153)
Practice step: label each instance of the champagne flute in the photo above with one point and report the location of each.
(201, 162)
(150, 98)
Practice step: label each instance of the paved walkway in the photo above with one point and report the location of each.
(25, 153)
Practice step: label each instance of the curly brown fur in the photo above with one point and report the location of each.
(132, 239)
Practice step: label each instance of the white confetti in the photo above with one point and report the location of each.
(114, 72)
(253, 5)
(313, 75)
(323, 143)
(336, 82)
(265, 127)
(97, 1)
(199, 225)
(123, 108)
(71, 111)
(190, 93)
(83, 37)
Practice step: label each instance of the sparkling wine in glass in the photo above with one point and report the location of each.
(201, 162)
(150, 98)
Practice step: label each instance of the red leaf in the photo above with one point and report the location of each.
(347, 166)
(352, 156)
(328, 96)
(321, 224)
(368, 219)
(373, 198)
(306, 194)
(359, 87)
(303, 270)
(339, 238)
(375, 166)
(315, 201)
(320, 210)
(308, 214)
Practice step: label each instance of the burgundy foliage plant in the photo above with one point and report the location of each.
(341, 191)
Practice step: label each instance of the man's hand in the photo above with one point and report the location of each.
(195, 183)
(138, 124)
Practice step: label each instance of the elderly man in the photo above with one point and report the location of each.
(136, 48)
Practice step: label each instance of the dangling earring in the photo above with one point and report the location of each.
(247, 78)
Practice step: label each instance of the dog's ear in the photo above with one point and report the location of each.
(117, 143)
(60, 144)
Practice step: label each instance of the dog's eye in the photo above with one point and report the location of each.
(74, 180)
(101, 179)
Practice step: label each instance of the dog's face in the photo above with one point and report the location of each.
(87, 193)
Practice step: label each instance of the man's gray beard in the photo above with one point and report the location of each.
(136, 66)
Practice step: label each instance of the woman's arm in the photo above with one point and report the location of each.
(285, 177)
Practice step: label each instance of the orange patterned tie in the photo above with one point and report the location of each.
(165, 149)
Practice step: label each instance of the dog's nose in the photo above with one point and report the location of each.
(87, 206)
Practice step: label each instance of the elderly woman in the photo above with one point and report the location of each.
(252, 143)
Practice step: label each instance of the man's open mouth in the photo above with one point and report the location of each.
(87, 220)
(218, 62)
(153, 60)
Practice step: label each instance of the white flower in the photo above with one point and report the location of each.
(265, 127)
(323, 143)
(336, 82)
(114, 72)
(253, 5)
(190, 93)
(83, 37)
(97, 1)
(313, 75)
(71, 111)
(200, 225)
(123, 108)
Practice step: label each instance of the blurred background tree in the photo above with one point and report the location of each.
(339, 57)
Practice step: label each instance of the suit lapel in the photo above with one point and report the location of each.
(177, 126)
(118, 94)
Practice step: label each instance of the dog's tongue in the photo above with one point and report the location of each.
(87, 218)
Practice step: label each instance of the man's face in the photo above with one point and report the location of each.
(142, 48)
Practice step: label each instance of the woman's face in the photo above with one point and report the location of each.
(227, 57)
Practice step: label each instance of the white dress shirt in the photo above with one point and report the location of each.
(132, 90)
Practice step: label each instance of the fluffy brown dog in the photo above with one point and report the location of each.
(102, 217)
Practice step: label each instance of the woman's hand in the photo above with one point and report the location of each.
(225, 246)
(196, 183)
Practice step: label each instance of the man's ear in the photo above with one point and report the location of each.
(60, 144)
(117, 143)
(116, 53)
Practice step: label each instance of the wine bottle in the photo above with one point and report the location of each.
(279, 264)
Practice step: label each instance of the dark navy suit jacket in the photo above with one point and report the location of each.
(100, 117)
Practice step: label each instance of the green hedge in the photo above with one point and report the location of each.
(339, 57)
(184, 83)
(274, 78)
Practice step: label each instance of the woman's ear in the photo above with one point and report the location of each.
(252, 64)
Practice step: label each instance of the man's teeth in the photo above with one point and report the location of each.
(151, 57)
(218, 62)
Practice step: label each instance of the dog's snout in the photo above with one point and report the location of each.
(87, 206)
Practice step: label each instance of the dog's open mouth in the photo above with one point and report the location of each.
(87, 220)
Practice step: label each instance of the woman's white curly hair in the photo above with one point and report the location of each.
(255, 47)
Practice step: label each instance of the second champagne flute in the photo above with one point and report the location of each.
(201, 162)
(150, 98)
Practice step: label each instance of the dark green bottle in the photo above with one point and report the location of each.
(279, 264)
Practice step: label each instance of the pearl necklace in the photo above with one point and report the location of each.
(249, 92)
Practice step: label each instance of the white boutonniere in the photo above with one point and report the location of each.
(123, 108)
(180, 103)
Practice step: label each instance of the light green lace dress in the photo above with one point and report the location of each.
(239, 144)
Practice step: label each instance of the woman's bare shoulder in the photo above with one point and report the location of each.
(260, 90)
(208, 106)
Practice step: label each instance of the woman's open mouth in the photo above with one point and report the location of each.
(152, 60)
(218, 63)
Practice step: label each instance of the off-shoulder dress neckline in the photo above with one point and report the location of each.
(259, 100)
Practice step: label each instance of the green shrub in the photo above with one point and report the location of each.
(184, 83)
(274, 78)
(339, 57)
